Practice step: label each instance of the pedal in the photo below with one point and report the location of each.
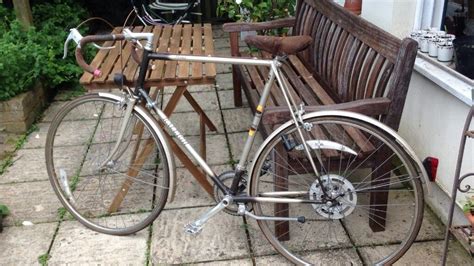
(196, 226)
(192, 229)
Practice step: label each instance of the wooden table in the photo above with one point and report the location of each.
(188, 39)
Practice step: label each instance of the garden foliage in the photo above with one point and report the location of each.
(29, 56)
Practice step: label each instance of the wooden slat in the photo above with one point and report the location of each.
(158, 65)
(170, 71)
(183, 66)
(311, 50)
(364, 73)
(346, 67)
(99, 58)
(317, 33)
(197, 50)
(122, 61)
(321, 47)
(337, 58)
(209, 50)
(156, 41)
(355, 74)
(326, 49)
(332, 49)
(368, 86)
(309, 79)
(379, 40)
(132, 66)
(384, 79)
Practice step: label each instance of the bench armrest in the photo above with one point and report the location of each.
(370, 107)
(267, 25)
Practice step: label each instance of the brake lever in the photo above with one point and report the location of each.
(76, 36)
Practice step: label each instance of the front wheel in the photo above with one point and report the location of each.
(120, 196)
(365, 207)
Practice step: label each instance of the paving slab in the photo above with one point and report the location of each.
(191, 88)
(223, 237)
(399, 220)
(216, 147)
(32, 201)
(237, 141)
(223, 68)
(226, 98)
(424, 253)
(207, 100)
(188, 123)
(224, 82)
(76, 244)
(313, 235)
(188, 191)
(22, 245)
(237, 120)
(241, 262)
(326, 257)
(30, 164)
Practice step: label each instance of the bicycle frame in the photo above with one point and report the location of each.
(275, 73)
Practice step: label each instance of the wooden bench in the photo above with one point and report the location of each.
(351, 65)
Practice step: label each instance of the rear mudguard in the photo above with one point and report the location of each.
(344, 114)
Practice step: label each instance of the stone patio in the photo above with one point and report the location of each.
(34, 229)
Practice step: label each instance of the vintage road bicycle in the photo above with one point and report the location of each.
(314, 189)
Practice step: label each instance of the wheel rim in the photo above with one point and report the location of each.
(357, 239)
(88, 190)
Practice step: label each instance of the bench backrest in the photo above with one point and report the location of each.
(352, 58)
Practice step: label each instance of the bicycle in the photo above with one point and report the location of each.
(154, 12)
(301, 188)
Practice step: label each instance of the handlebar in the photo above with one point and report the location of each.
(127, 35)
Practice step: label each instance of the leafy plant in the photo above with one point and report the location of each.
(27, 57)
(468, 205)
(256, 11)
(4, 211)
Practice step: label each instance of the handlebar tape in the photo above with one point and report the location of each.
(93, 38)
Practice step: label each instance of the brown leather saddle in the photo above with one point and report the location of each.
(279, 45)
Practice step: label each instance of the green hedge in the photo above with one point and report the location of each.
(27, 57)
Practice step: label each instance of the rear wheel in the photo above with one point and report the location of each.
(366, 207)
(118, 197)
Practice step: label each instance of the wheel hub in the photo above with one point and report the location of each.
(341, 197)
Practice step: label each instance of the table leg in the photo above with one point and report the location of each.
(234, 50)
(193, 169)
(199, 110)
(138, 130)
(378, 200)
(180, 90)
(282, 228)
(202, 134)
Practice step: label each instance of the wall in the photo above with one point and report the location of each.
(394, 16)
(433, 118)
(432, 124)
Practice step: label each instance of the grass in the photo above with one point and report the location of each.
(43, 259)
(8, 161)
(69, 94)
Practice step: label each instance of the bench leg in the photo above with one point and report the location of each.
(234, 51)
(378, 200)
(282, 228)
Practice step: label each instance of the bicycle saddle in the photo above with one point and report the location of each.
(279, 45)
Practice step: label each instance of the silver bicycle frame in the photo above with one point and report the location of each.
(275, 73)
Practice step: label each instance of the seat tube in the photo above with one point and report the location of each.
(256, 119)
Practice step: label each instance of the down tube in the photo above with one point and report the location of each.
(190, 148)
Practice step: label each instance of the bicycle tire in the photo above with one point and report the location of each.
(87, 189)
(345, 224)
